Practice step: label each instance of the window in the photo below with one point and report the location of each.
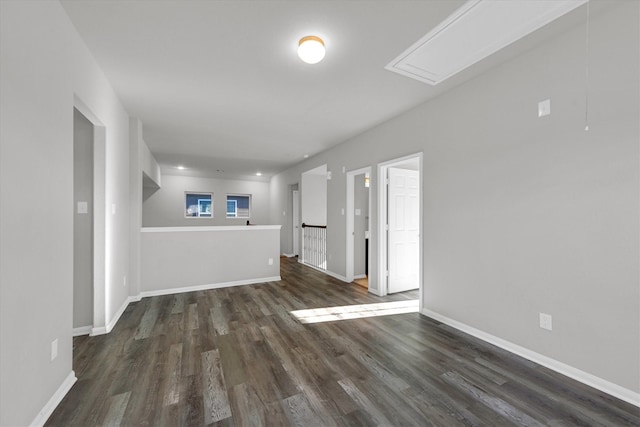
(238, 205)
(198, 205)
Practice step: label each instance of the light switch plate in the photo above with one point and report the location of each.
(83, 207)
(54, 349)
(544, 108)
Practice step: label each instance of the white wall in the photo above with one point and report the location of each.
(150, 166)
(188, 258)
(165, 207)
(43, 64)
(313, 206)
(143, 169)
(542, 215)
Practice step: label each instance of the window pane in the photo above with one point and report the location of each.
(232, 208)
(238, 205)
(198, 205)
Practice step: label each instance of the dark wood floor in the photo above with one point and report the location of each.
(236, 356)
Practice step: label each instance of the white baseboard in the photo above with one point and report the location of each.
(601, 384)
(330, 273)
(360, 276)
(57, 397)
(375, 291)
(337, 276)
(82, 330)
(145, 294)
(101, 330)
(121, 310)
(289, 255)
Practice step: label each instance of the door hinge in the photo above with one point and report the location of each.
(387, 273)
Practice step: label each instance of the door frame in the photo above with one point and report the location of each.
(99, 218)
(350, 251)
(383, 208)
(295, 221)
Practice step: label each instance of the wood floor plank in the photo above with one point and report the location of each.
(149, 319)
(191, 360)
(238, 357)
(218, 321)
(246, 406)
(118, 404)
(216, 400)
(191, 402)
(300, 412)
(364, 402)
(256, 297)
(496, 404)
(205, 328)
(372, 365)
(269, 377)
(174, 368)
(234, 367)
(192, 317)
(169, 416)
(177, 304)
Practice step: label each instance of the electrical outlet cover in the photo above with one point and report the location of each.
(546, 321)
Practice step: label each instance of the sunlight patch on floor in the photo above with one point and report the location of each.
(346, 312)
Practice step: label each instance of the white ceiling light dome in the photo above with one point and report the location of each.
(311, 49)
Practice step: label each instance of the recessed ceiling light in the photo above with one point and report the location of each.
(311, 49)
(180, 167)
(258, 173)
(306, 156)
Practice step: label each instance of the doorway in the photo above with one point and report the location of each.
(96, 210)
(313, 212)
(82, 224)
(403, 217)
(295, 218)
(400, 225)
(358, 226)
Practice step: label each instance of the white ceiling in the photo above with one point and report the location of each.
(218, 85)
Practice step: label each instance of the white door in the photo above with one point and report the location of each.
(404, 227)
(296, 222)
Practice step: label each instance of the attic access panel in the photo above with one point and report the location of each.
(476, 30)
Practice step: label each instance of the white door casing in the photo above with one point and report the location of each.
(350, 226)
(404, 230)
(296, 222)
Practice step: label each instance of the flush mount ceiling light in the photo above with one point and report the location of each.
(311, 49)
